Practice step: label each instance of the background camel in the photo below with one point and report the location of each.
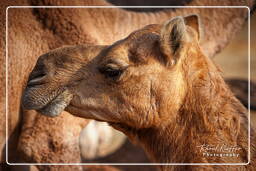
(156, 86)
(55, 28)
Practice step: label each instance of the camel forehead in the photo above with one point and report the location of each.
(144, 36)
(138, 46)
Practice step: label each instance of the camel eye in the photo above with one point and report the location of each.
(109, 72)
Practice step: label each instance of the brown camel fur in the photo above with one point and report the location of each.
(157, 87)
(48, 29)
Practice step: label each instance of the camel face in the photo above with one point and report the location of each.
(49, 87)
(135, 81)
(137, 78)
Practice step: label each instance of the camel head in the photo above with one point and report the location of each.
(56, 73)
(135, 81)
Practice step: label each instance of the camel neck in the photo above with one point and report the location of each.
(202, 131)
(179, 143)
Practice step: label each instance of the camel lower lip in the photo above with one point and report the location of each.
(57, 105)
(32, 100)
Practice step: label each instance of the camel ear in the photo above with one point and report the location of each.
(172, 39)
(194, 22)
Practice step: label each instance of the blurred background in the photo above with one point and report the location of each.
(233, 61)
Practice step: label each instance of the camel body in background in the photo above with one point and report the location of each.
(157, 87)
(50, 28)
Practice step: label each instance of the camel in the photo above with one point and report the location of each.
(49, 29)
(157, 87)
